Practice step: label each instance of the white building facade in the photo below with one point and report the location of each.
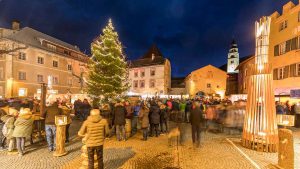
(150, 75)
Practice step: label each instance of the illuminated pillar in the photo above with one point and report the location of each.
(260, 127)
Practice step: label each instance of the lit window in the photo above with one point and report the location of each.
(135, 84)
(152, 83)
(282, 48)
(40, 78)
(283, 25)
(280, 73)
(22, 92)
(69, 67)
(40, 60)
(142, 83)
(152, 72)
(136, 73)
(55, 79)
(22, 56)
(22, 75)
(55, 63)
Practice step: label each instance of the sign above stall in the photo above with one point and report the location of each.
(295, 93)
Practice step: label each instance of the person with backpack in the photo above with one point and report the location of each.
(23, 129)
(8, 127)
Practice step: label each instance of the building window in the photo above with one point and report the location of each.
(282, 48)
(136, 73)
(142, 73)
(40, 60)
(135, 84)
(280, 73)
(22, 92)
(246, 72)
(142, 83)
(22, 75)
(69, 67)
(22, 56)
(152, 72)
(55, 63)
(283, 25)
(208, 85)
(152, 83)
(1, 73)
(232, 62)
(70, 81)
(40, 78)
(298, 69)
(55, 80)
(66, 52)
(52, 47)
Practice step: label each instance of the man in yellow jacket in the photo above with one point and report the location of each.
(94, 130)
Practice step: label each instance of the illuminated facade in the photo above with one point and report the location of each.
(150, 75)
(209, 80)
(31, 58)
(284, 45)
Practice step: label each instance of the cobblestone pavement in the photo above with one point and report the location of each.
(215, 152)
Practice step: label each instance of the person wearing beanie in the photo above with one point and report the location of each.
(94, 130)
(23, 129)
(8, 121)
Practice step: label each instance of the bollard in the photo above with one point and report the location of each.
(60, 122)
(286, 149)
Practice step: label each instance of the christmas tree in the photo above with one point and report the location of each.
(108, 71)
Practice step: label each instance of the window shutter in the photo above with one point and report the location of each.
(293, 70)
(276, 50)
(275, 74)
(288, 46)
(286, 72)
(294, 43)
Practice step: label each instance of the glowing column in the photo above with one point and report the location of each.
(260, 127)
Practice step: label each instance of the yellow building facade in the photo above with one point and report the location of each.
(29, 58)
(209, 80)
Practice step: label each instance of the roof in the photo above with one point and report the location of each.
(178, 82)
(31, 37)
(248, 58)
(148, 60)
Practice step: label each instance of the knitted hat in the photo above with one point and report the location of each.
(95, 112)
(25, 111)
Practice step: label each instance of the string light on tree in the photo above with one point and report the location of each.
(108, 67)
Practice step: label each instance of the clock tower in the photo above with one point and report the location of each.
(233, 58)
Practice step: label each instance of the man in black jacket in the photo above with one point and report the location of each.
(154, 115)
(196, 119)
(119, 114)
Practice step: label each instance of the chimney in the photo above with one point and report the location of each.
(15, 25)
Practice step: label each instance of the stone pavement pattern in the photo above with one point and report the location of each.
(215, 152)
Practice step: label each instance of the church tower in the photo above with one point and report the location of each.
(233, 58)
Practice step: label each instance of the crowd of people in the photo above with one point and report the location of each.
(124, 118)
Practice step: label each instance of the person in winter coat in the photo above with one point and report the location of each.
(144, 119)
(94, 130)
(86, 108)
(2, 138)
(23, 129)
(154, 118)
(66, 110)
(196, 119)
(136, 111)
(182, 106)
(163, 118)
(49, 115)
(8, 121)
(279, 108)
(78, 109)
(119, 114)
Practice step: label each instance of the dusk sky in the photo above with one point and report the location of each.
(191, 33)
